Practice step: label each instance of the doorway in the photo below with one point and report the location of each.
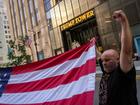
(80, 34)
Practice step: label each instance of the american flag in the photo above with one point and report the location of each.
(66, 79)
(28, 41)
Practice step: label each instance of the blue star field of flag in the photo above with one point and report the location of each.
(4, 77)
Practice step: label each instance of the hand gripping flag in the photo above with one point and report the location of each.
(66, 79)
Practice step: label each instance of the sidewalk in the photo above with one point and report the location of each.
(137, 65)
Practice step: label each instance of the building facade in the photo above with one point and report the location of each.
(5, 35)
(109, 29)
(70, 23)
(27, 18)
(56, 26)
(76, 21)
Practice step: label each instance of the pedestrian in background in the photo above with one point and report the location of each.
(118, 82)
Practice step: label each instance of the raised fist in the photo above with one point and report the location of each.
(120, 16)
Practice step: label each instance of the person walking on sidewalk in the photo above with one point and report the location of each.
(118, 82)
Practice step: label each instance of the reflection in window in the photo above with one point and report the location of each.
(57, 13)
(63, 12)
(76, 7)
(83, 5)
(69, 9)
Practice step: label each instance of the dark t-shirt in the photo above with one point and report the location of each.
(118, 88)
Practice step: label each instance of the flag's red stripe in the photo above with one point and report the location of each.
(81, 99)
(50, 62)
(52, 82)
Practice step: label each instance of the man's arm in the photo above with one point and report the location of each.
(126, 41)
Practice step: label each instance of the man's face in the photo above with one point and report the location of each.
(110, 60)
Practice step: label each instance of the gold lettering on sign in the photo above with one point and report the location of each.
(77, 20)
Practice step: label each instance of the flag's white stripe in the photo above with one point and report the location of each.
(53, 71)
(84, 84)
